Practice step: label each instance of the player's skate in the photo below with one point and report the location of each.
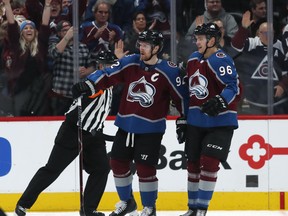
(93, 213)
(125, 208)
(20, 211)
(190, 212)
(201, 212)
(96, 213)
(148, 211)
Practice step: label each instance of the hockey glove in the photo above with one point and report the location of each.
(82, 88)
(214, 106)
(181, 128)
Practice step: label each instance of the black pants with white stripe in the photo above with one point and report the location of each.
(65, 150)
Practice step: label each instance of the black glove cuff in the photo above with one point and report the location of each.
(222, 102)
(91, 86)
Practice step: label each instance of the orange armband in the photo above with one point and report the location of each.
(97, 94)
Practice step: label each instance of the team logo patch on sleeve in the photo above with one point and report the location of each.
(220, 55)
(172, 64)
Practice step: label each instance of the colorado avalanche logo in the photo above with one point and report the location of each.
(220, 55)
(262, 71)
(172, 64)
(198, 85)
(141, 91)
(158, 15)
(104, 43)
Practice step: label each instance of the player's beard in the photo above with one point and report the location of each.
(145, 57)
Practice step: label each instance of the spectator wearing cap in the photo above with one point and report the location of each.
(61, 52)
(27, 48)
(100, 34)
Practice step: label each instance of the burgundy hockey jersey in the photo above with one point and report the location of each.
(209, 77)
(148, 90)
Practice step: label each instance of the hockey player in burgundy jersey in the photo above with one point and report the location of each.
(149, 85)
(212, 117)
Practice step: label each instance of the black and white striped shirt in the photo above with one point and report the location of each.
(94, 111)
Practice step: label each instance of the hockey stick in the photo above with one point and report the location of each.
(80, 147)
(76, 79)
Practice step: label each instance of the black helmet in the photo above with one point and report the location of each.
(210, 30)
(153, 37)
(106, 57)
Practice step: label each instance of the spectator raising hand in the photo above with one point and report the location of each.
(246, 19)
(61, 52)
(252, 67)
(26, 50)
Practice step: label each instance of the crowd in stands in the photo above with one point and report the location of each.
(36, 41)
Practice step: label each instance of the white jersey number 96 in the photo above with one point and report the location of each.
(224, 70)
